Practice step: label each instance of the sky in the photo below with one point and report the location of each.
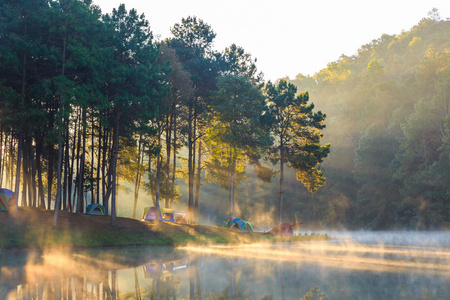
(288, 37)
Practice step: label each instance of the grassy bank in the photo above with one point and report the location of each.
(33, 228)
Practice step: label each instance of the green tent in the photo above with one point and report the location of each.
(237, 224)
(242, 226)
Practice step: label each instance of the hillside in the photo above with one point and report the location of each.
(388, 109)
(33, 228)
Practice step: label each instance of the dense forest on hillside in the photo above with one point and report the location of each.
(388, 120)
(92, 105)
(93, 109)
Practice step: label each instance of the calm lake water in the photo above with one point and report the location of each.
(355, 265)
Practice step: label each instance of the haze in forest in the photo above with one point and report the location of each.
(387, 120)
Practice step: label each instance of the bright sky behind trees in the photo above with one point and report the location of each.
(288, 36)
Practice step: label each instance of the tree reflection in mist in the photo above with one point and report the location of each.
(308, 270)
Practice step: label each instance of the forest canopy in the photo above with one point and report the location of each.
(92, 105)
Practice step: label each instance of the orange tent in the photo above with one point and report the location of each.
(283, 229)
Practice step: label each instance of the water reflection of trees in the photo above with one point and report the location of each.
(66, 277)
(97, 286)
(201, 276)
(153, 276)
(165, 281)
(37, 275)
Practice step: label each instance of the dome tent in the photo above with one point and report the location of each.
(96, 209)
(165, 214)
(5, 195)
(150, 213)
(242, 226)
(238, 224)
(283, 229)
(180, 218)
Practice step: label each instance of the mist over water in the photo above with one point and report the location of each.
(400, 238)
(354, 265)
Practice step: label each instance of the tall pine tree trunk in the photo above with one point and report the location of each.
(60, 141)
(93, 198)
(71, 198)
(231, 183)
(190, 162)
(82, 165)
(158, 182)
(1, 155)
(137, 181)
(114, 166)
(197, 180)
(51, 162)
(281, 192)
(20, 146)
(66, 183)
(33, 176)
(174, 166)
(39, 146)
(167, 171)
(192, 171)
(99, 159)
(76, 199)
(12, 159)
(106, 173)
(24, 172)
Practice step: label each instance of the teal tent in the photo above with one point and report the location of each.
(228, 223)
(237, 224)
(96, 209)
(242, 226)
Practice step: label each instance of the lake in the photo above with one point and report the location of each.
(354, 265)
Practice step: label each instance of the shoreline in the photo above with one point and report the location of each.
(32, 228)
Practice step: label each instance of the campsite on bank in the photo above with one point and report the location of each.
(33, 228)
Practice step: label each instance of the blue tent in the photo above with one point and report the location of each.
(5, 195)
(242, 226)
(228, 224)
(237, 224)
(96, 209)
